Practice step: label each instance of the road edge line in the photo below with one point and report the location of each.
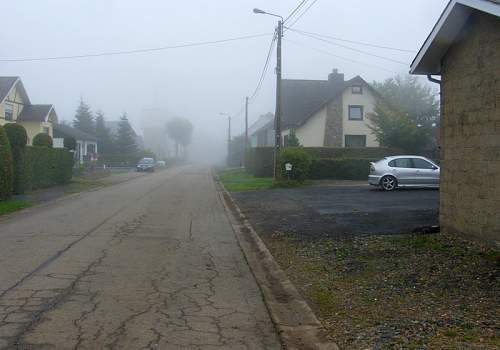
(297, 325)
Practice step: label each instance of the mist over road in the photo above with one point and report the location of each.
(147, 264)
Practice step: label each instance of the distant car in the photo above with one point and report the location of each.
(146, 164)
(161, 163)
(404, 171)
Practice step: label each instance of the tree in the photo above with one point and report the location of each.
(416, 100)
(6, 169)
(84, 120)
(180, 130)
(43, 140)
(393, 128)
(125, 139)
(103, 135)
(292, 140)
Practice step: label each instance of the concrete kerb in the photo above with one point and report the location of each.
(297, 325)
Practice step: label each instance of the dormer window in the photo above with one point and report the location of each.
(357, 89)
(9, 111)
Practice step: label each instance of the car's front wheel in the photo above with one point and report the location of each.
(388, 183)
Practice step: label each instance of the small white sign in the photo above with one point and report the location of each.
(288, 166)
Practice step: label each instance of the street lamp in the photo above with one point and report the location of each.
(277, 114)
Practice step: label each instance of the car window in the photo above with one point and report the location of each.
(401, 163)
(422, 164)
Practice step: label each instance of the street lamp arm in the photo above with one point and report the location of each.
(262, 12)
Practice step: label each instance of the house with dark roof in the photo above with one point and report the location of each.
(16, 107)
(463, 49)
(86, 144)
(261, 133)
(329, 113)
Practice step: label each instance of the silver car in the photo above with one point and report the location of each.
(404, 171)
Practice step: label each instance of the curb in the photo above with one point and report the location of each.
(297, 325)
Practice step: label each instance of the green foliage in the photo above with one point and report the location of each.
(416, 100)
(69, 143)
(237, 180)
(10, 206)
(125, 138)
(6, 169)
(260, 161)
(103, 135)
(236, 151)
(393, 128)
(301, 164)
(340, 169)
(292, 140)
(16, 134)
(343, 152)
(84, 119)
(46, 167)
(42, 140)
(180, 130)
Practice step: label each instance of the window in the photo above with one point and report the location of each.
(357, 89)
(422, 164)
(401, 163)
(9, 111)
(46, 130)
(355, 112)
(353, 141)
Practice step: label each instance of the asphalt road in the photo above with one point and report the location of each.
(340, 211)
(147, 264)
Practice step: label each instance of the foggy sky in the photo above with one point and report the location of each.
(197, 83)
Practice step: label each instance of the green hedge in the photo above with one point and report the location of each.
(260, 161)
(340, 169)
(352, 153)
(301, 164)
(6, 170)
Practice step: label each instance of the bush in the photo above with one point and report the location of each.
(340, 169)
(352, 153)
(301, 164)
(42, 140)
(69, 143)
(6, 170)
(17, 135)
(46, 167)
(260, 161)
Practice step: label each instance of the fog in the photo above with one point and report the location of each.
(199, 82)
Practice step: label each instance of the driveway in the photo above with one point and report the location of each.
(340, 211)
(151, 263)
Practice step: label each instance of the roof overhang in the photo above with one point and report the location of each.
(18, 84)
(442, 36)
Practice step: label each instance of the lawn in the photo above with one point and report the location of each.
(237, 180)
(79, 184)
(12, 205)
(397, 292)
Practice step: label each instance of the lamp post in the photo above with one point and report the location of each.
(228, 131)
(277, 114)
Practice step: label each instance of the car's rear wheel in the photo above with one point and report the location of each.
(388, 183)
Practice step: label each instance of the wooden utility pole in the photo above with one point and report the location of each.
(277, 116)
(245, 150)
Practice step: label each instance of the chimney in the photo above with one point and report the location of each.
(335, 78)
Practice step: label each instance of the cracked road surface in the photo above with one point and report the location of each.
(148, 264)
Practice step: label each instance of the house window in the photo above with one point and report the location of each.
(355, 141)
(46, 130)
(355, 112)
(357, 89)
(9, 111)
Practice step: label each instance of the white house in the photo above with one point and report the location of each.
(86, 144)
(329, 113)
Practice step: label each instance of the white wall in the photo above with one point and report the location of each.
(312, 133)
(358, 127)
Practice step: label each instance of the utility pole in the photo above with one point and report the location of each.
(228, 132)
(277, 116)
(246, 134)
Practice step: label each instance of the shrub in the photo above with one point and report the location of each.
(69, 143)
(6, 170)
(46, 167)
(260, 161)
(340, 169)
(301, 164)
(17, 135)
(42, 140)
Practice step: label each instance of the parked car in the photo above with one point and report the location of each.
(404, 171)
(146, 164)
(161, 164)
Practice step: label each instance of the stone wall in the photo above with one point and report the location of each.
(334, 128)
(470, 132)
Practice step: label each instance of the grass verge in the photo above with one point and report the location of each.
(79, 184)
(398, 292)
(237, 180)
(12, 205)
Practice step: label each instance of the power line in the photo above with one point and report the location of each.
(355, 42)
(264, 70)
(341, 57)
(303, 13)
(136, 51)
(295, 10)
(350, 48)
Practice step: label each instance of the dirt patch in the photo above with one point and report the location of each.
(397, 292)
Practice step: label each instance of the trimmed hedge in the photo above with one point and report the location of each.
(69, 143)
(42, 140)
(6, 169)
(352, 153)
(17, 135)
(260, 161)
(301, 164)
(340, 169)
